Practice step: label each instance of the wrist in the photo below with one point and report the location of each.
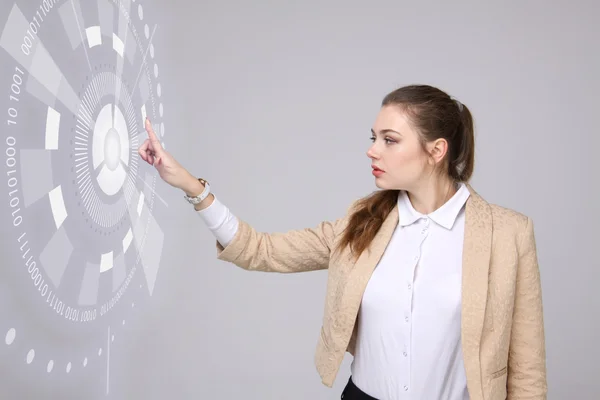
(193, 187)
(205, 203)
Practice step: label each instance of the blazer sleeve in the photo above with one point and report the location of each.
(527, 353)
(299, 250)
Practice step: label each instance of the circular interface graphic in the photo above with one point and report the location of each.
(81, 245)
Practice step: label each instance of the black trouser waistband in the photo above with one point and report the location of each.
(352, 392)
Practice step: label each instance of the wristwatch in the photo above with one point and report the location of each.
(197, 199)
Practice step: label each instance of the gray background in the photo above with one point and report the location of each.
(273, 103)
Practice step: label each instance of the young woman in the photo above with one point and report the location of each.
(434, 291)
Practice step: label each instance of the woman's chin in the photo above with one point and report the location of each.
(380, 183)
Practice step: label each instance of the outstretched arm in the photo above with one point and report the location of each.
(300, 250)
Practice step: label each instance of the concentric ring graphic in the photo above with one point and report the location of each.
(81, 245)
(105, 159)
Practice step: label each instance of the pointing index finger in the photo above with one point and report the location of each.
(152, 135)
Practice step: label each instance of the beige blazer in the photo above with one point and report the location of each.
(502, 323)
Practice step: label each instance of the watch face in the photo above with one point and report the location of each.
(80, 227)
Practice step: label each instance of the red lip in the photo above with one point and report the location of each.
(376, 170)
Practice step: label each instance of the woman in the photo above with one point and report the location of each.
(434, 291)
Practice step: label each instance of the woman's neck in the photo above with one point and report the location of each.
(432, 195)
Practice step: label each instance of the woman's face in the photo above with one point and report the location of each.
(397, 151)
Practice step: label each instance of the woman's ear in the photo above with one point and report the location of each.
(438, 149)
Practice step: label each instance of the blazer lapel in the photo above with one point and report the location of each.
(476, 262)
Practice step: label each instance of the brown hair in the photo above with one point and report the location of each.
(434, 115)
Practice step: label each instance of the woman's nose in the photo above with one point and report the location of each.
(371, 152)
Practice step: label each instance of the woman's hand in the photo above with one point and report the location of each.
(168, 168)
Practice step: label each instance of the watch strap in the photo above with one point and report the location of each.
(197, 199)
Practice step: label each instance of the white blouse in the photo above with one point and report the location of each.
(409, 338)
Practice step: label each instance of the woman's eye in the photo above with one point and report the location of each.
(387, 140)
